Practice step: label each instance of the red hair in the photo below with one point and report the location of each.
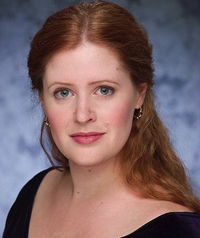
(149, 163)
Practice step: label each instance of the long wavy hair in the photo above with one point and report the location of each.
(149, 163)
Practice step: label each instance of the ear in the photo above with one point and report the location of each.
(141, 95)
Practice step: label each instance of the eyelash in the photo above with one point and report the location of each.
(58, 92)
(111, 90)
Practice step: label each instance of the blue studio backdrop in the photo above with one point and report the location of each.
(174, 30)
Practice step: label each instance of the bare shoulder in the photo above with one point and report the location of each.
(51, 183)
(156, 208)
(146, 210)
(53, 176)
(167, 206)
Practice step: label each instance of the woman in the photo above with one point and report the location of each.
(114, 173)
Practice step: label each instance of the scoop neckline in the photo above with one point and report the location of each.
(192, 214)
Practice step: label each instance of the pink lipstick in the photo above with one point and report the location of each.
(86, 138)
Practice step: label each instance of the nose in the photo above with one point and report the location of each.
(84, 111)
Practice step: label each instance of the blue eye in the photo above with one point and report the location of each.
(105, 90)
(62, 93)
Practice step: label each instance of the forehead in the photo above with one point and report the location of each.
(85, 60)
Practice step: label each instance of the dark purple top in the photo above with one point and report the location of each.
(169, 225)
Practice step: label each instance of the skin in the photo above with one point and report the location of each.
(82, 74)
(88, 90)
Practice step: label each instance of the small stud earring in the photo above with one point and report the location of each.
(138, 115)
(46, 121)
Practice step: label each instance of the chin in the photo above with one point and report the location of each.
(89, 161)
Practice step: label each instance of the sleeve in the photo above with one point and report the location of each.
(171, 225)
(17, 222)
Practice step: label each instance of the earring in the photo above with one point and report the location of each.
(46, 121)
(138, 115)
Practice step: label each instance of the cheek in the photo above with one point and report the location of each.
(122, 115)
(57, 119)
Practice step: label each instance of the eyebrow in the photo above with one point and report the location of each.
(91, 83)
(61, 83)
(103, 81)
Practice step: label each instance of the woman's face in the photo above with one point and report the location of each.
(89, 100)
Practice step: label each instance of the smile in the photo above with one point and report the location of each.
(86, 138)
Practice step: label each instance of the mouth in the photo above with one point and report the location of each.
(86, 138)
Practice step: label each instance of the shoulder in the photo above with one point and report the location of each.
(180, 224)
(53, 182)
(162, 219)
(21, 209)
(173, 225)
(29, 190)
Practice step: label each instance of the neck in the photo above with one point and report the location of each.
(101, 180)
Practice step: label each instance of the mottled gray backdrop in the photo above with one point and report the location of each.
(174, 29)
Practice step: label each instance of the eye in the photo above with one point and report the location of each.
(62, 93)
(105, 91)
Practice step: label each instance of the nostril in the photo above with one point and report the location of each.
(84, 116)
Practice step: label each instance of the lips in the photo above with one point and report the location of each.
(86, 138)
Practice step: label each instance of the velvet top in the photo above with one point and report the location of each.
(169, 225)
